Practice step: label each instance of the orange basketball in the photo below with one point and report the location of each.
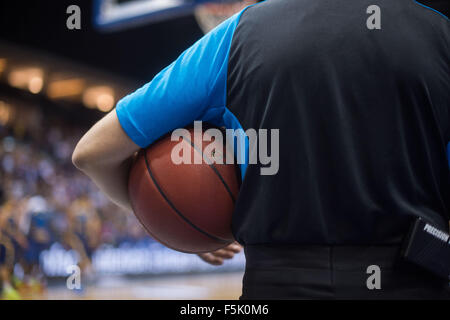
(186, 207)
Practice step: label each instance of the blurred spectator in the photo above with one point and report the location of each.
(44, 199)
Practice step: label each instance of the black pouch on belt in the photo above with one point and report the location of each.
(429, 247)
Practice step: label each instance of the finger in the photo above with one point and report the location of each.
(223, 253)
(211, 259)
(234, 247)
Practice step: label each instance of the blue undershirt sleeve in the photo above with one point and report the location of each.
(189, 89)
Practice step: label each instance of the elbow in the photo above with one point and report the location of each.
(80, 158)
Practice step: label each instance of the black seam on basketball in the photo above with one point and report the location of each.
(175, 209)
(214, 169)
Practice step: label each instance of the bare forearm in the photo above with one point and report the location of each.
(112, 180)
(104, 154)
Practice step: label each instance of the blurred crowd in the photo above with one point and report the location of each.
(44, 200)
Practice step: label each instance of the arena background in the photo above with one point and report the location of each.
(54, 84)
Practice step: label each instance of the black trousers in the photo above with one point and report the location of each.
(336, 272)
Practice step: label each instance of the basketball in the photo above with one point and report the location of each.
(186, 206)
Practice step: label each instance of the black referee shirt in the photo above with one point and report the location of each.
(360, 93)
(364, 119)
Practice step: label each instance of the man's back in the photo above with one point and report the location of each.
(359, 92)
(364, 119)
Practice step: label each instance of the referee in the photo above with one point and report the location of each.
(360, 93)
